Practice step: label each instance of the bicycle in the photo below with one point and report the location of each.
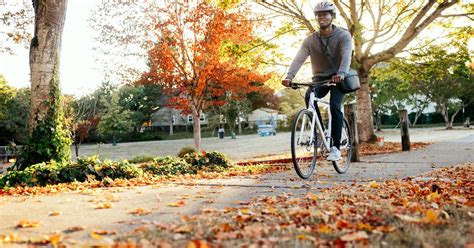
(309, 135)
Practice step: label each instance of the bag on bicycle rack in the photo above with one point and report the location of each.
(351, 80)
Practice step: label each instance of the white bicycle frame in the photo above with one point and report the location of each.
(315, 121)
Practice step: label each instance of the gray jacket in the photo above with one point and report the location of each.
(339, 44)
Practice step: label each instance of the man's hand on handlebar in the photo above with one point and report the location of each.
(337, 79)
(287, 83)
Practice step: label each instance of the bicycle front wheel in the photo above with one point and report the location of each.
(342, 165)
(303, 147)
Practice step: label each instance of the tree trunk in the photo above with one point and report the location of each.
(44, 54)
(451, 121)
(170, 118)
(378, 120)
(240, 125)
(444, 112)
(417, 115)
(365, 123)
(197, 130)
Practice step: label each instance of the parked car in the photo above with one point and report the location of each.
(266, 130)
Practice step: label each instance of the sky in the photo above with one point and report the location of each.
(78, 70)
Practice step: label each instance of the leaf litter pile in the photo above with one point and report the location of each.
(436, 210)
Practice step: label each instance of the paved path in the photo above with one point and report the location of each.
(79, 208)
(248, 146)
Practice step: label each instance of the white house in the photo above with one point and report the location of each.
(266, 115)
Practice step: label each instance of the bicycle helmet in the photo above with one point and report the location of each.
(324, 6)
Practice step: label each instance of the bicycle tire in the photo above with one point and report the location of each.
(342, 165)
(303, 150)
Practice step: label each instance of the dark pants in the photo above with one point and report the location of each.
(335, 103)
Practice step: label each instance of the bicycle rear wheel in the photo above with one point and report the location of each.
(303, 148)
(342, 165)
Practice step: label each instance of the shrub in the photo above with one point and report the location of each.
(168, 166)
(213, 161)
(186, 150)
(53, 172)
(141, 159)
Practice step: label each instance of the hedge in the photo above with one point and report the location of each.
(93, 168)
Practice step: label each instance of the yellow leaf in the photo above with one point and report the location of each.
(433, 196)
(373, 184)
(11, 238)
(325, 229)
(311, 196)
(55, 238)
(176, 204)
(103, 205)
(431, 216)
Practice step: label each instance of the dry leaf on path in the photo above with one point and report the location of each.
(408, 218)
(55, 213)
(27, 224)
(176, 204)
(75, 229)
(362, 235)
(140, 211)
(197, 244)
(103, 205)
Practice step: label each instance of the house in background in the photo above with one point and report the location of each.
(165, 117)
(266, 115)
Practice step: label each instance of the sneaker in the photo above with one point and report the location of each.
(334, 154)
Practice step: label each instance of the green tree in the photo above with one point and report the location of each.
(291, 101)
(142, 101)
(442, 74)
(115, 121)
(390, 92)
(14, 106)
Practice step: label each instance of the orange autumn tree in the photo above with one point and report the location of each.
(189, 60)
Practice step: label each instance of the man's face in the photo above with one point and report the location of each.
(324, 19)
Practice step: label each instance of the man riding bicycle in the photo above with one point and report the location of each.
(337, 43)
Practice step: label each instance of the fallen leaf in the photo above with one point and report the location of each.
(325, 229)
(11, 238)
(75, 229)
(408, 218)
(55, 213)
(111, 197)
(433, 197)
(197, 244)
(54, 238)
(311, 196)
(103, 205)
(140, 211)
(176, 204)
(105, 232)
(27, 224)
(373, 184)
(184, 229)
(361, 235)
(431, 216)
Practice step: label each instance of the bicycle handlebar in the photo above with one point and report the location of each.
(327, 82)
